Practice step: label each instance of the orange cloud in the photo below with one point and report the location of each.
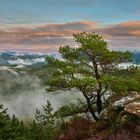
(131, 28)
(131, 24)
(135, 33)
(50, 37)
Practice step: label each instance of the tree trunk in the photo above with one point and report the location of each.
(99, 103)
(90, 107)
(97, 76)
(92, 112)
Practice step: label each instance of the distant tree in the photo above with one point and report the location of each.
(45, 122)
(88, 67)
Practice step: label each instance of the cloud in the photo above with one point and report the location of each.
(123, 36)
(131, 28)
(48, 38)
(131, 43)
(75, 26)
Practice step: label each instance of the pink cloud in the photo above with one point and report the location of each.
(50, 37)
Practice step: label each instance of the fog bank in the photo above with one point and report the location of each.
(21, 94)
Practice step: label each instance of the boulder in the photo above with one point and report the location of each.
(105, 114)
(120, 104)
(129, 104)
(133, 108)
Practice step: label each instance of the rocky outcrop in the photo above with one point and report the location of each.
(133, 108)
(121, 103)
(120, 112)
(129, 104)
(120, 120)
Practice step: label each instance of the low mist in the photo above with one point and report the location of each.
(22, 94)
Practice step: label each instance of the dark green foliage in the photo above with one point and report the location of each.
(125, 80)
(90, 68)
(45, 122)
(10, 128)
(71, 109)
(43, 128)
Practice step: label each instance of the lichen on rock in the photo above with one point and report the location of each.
(133, 108)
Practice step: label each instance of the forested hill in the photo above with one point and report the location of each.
(22, 59)
(37, 59)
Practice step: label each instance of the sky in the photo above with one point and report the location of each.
(45, 25)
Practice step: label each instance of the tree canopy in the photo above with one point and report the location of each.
(90, 67)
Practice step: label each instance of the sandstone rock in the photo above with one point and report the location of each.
(104, 114)
(129, 104)
(133, 108)
(120, 104)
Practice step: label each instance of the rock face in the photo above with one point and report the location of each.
(133, 108)
(129, 104)
(120, 104)
(119, 112)
(119, 121)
